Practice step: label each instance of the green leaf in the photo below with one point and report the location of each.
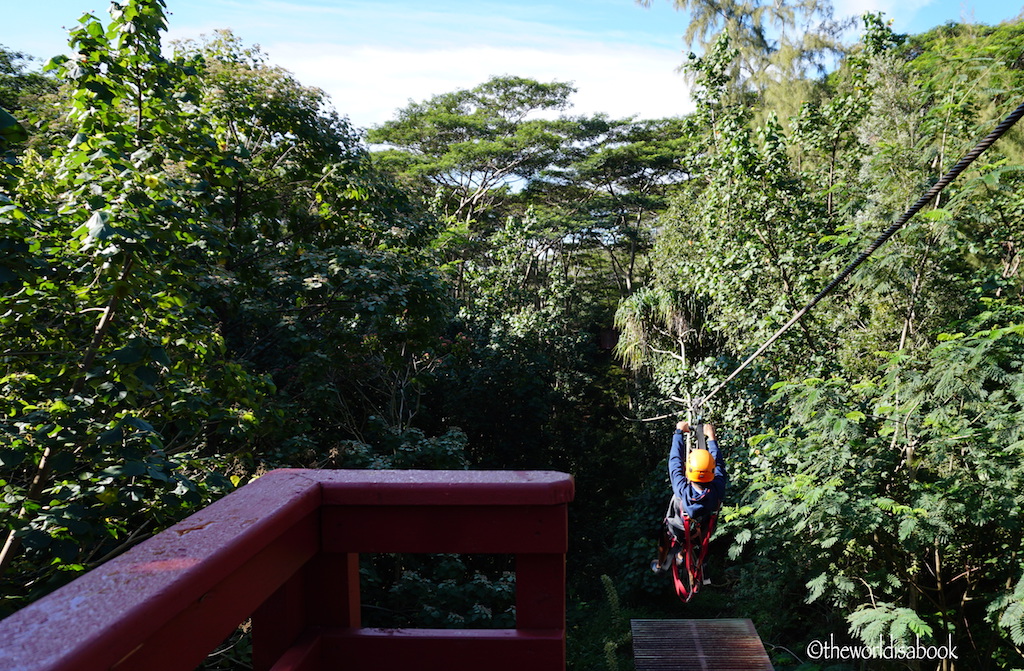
(816, 587)
(140, 424)
(11, 458)
(907, 528)
(98, 226)
(63, 462)
(127, 470)
(115, 435)
(127, 355)
(10, 129)
(34, 539)
(159, 355)
(147, 376)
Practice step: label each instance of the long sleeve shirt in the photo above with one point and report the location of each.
(696, 503)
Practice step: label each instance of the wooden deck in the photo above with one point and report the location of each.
(698, 645)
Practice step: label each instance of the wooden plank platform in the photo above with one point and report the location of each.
(698, 645)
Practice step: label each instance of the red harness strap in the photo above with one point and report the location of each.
(694, 570)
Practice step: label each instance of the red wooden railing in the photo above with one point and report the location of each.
(284, 550)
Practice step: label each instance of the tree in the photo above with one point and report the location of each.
(288, 136)
(193, 295)
(98, 333)
(750, 227)
(471, 145)
(332, 295)
(611, 185)
(775, 41)
(907, 480)
(18, 86)
(886, 458)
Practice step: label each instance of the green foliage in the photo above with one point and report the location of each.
(884, 622)
(600, 631)
(613, 643)
(1010, 610)
(879, 489)
(608, 186)
(100, 335)
(754, 228)
(470, 145)
(21, 88)
(912, 473)
(438, 591)
(193, 295)
(644, 318)
(10, 130)
(776, 42)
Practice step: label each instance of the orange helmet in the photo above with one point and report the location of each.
(700, 466)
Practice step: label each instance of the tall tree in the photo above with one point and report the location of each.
(887, 457)
(470, 146)
(777, 42)
(612, 184)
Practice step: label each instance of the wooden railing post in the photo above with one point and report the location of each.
(323, 595)
(540, 592)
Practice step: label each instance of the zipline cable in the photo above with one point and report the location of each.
(937, 188)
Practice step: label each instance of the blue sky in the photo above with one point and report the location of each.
(373, 56)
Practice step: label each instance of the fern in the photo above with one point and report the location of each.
(613, 643)
(613, 599)
(1011, 619)
(816, 587)
(739, 542)
(887, 622)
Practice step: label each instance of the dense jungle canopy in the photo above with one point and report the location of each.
(208, 274)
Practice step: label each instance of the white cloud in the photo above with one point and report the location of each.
(369, 83)
(373, 57)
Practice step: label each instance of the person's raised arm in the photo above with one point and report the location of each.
(676, 459)
(715, 450)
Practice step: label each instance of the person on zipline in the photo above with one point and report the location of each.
(698, 488)
(698, 479)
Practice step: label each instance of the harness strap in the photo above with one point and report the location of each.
(682, 591)
(694, 572)
(690, 568)
(704, 547)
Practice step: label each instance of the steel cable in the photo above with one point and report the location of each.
(934, 191)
